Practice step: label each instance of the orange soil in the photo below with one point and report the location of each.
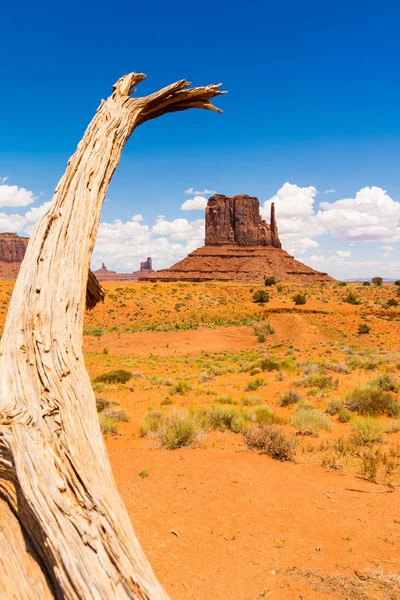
(222, 521)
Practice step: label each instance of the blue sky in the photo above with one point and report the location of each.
(313, 101)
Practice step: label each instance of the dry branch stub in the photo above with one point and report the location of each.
(65, 531)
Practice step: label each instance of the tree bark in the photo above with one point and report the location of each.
(65, 532)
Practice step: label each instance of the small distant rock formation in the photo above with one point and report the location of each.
(146, 268)
(239, 246)
(12, 252)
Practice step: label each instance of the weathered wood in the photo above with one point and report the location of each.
(65, 531)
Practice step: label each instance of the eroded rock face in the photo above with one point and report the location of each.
(236, 220)
(12, 247)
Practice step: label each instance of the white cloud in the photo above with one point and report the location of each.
(332, 191)
(137, 218)
(294, 209)
(371, 216)
(12, 195)
(343, 253)
(193, 192)
(387, 250)
(11, 223)
(122, 245)
(196, 203)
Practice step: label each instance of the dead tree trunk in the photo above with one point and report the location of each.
(65, 532)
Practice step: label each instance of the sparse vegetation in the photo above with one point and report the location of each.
(366, 430)
(271, 440)
(261, 330)
(363, 328)
(270, 281)
(290, 397)
(261, 296)
(309, 421)
(118, 376)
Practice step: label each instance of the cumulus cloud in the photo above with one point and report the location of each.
(12, 195)
(372, 215)
(11, 223)
(343, 253)
(122, 245)
(137, 218)
(196, 203)
(192, 192)
(294, 209)
(387, 250)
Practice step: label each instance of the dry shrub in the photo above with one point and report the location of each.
(271, 440)
(367, 431)
(372, 400)
(309, 421)
(178, 429)
(117, 414)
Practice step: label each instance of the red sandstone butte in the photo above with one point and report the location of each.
(239, 246)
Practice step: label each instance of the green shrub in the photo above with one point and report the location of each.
(270, 281)
(119, 376)
(261, 330)
(261, 296)
(108, 425)
(290, 397)
(366, 431)
(344, 415)
(342, 283)
(385, 382)
(227, 399)
(254, 384)
(264, 415)
(271, 440)
(351, 298)
(269, 364)
(167, 401)
(299, 299)
(392, 302)
(377, 280)
(363, 328)
(397, 282)
(102, 403)
(309, 421)
(251, 400)
(320, 381)
(182, 388)
(366, 283)
(371, 401)
(226, 418)
(334, 406)
(178, 429)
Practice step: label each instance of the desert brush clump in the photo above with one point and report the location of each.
(371, 400)
(117, 414)
(102, 403)
(177, 429)
(363, 329)
(255, 383)
(108, 425)
(268, 281)
(118, 376)
(250, 400)
(351, 298)
(318, 380)
(261, 330)
(309, 421)
(226, 418)
(299, 299)
(181, 387)
(271, 440)
(264, 415)
(366, 430)
(290, 397)
(261, 296)
(334, 406)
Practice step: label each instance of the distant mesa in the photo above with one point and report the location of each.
(146, 268)
(239, 246)
(12, 252)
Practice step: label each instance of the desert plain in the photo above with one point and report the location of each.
(220, 510)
